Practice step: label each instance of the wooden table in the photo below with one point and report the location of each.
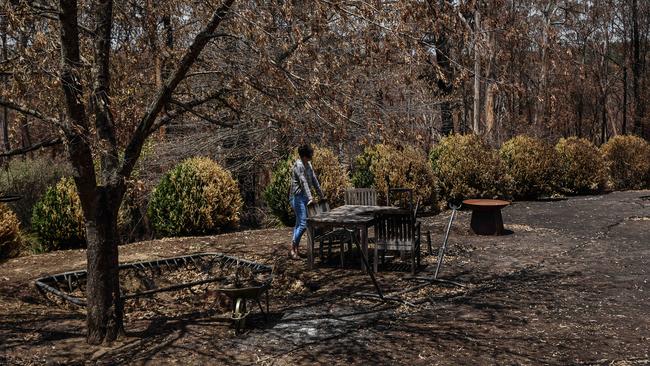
(486, 216)
(352, 217)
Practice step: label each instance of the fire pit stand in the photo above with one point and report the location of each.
(486, 216)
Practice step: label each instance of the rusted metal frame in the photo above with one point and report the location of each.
(43, 283)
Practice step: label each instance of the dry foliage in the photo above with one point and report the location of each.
(628, 162)
(532, 166)
(331, 174)
(467, 167)
(30, 178)
(10, 239)
(197, 197)
(400, 167)
(582, 168)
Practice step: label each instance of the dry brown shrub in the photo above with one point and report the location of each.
(582, 168)
(627, 159)
(198, 196)
(467, 167)
(10, 239)
(401, 167)
(532, 166)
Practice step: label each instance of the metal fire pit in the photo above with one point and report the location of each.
(63, 285)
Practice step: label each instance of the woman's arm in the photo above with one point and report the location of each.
(315, 182)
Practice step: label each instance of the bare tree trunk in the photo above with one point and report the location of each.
(169, 44)
(151, 29)
(624, 124)
(104, 315)
(580, 110)
(543, 82)
(636, 70)
(5, 129)
(3, 78)
(604, 90)
(105, 308)
(490, 89)
(603, 125)
(477, 73)
(26, 137)
(444, 84)
(489, 109)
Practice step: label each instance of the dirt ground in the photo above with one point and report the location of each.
(569, 285)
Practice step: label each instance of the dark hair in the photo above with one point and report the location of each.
(306, 151)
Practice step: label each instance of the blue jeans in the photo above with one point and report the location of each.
(299, 205)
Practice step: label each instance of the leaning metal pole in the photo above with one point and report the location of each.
(441, 252)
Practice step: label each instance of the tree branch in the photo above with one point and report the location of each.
(100, 99)
(75, 127)
(283, 56)
(25, 150)
(134, 147)
(27, 111)
(199, 114)
(187, 107)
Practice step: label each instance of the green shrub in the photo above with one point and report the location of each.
(277, 192)
(10, 238)
(196, 197)
(332, 176)
(58, 219)
(30, 178)
(363, 177)
(582, 168)
(467, 167)
(404, 167)
(627, 159)
(531, 165)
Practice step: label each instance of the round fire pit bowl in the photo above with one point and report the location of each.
(486, 216)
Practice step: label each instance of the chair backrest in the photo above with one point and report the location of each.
(396, 231)
(361, 196)
(317, 207)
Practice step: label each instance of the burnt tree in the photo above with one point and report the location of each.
(102, 195)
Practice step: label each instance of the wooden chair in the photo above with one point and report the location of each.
(361, 196)
(332, 236)
(398, 232)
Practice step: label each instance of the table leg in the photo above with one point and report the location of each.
(487, 222)
(310, 246)
(364, 261)
(375, 259)
(364, 247)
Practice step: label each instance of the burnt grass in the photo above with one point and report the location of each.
(570, 284)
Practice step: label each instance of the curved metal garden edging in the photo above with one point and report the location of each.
(71, 280)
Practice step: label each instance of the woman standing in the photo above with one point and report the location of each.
(302, 177)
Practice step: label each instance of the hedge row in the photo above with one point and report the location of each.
(463, 166)
(196, 197)
(200, 197)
